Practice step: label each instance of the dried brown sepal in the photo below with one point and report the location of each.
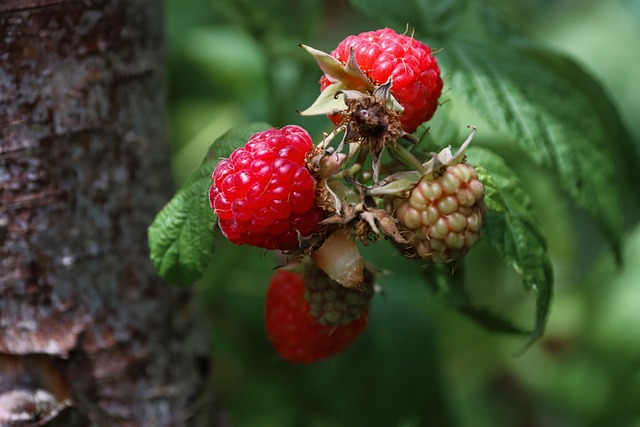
(389, 226)
(371, 121)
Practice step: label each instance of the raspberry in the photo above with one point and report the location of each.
(381, 54)
(443, 216)
(311, 317)
(263, 194)
(334, 304)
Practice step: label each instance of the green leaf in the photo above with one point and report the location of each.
(450, 289)
(503, 19)
(620, 144)
(181, 239)
(427, 17)
(226, 54)
(512, 229)
(553, 120)
(269, 19)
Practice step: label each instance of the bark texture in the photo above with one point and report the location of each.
(88, 333)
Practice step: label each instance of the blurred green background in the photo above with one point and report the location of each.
(419, 362)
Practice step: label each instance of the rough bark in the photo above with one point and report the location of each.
(88, 333)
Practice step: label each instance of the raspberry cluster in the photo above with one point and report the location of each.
(280, 191)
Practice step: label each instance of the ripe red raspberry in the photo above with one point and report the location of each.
(443, 215)
(381, 54)
(263, 194)
(311, 317)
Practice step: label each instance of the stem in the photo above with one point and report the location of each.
(360, 160)
(406, 157)
(344, 192)
(326, 140)
(354, 169)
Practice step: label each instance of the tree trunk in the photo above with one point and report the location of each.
(88, 333)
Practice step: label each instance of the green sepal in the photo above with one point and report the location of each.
(396, 184)
(330, 101)
(350, 74)
(348, 81)
(181, 237)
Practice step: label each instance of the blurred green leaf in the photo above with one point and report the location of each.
(266, 18)
(181, 238)
(448, 286)
(427, 17)
(619, 142)
(616, 304)
(503, 19)
(368, 382)
(196, 124)
(229, 56)
(512, 229)
(552, 119)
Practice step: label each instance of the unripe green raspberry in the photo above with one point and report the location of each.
(443, 214)
(333, 304)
